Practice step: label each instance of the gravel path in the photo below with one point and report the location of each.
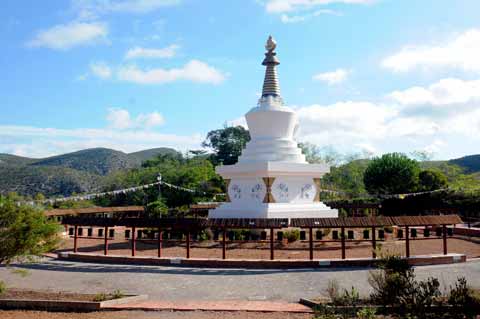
(180, 283)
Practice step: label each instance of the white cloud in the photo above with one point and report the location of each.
(139, 52)
(150, 120)
(333, 77)
(460, 52)
(194, 70)
(101, 70)
(124, 132)
(286, 18)
(66, 36)
(281, 6)
(42, 142)
(119, 118)
(450, 91)
(91, 9)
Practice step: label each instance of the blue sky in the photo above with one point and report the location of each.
(369, 76)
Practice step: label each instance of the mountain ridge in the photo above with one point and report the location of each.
(65, 174)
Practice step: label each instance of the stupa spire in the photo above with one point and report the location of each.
(271, 88)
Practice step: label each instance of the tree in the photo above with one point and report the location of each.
(430, 180)
(314, 154)
(24, 231)
(227, 144)
(348, 178)
(392, 173)
(195, 173)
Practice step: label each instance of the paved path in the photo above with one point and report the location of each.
(179, 283)
(223, 305)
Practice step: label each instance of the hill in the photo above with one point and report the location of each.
(470, 164)
(145, 155)
(9, 159)
(49, 180)
(101, 161)
(76, 172)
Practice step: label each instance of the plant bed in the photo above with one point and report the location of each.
(62, 301)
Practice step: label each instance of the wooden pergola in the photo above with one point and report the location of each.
(375, 222)
(125, 210)
(190, 225)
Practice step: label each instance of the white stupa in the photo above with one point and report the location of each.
(272, 178)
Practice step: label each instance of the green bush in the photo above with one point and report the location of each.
(395, 285)
(24, 231)
(292, 235)
(3, 288)
(205, 234)
(464, 300)
(101, 296)
(366, 313)
(117, 294)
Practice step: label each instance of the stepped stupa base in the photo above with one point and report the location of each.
(273, 210)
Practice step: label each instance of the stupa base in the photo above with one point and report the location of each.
(273, 210)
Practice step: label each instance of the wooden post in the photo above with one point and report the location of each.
(374, 242)
(159, 242)
(188, 244)
(271, 244)
(444, 239)
(105, 245)
(134, 238)
(75, 237)
(407, 241)
(224, 244)
(343, 241)
(310, 242)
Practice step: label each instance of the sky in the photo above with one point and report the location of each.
(365, 76)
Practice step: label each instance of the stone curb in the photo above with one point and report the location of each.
(66, 305)
(255, 264)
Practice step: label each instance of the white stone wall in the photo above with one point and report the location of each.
(251, 191)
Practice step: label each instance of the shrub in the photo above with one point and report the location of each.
(3, 288)
(117, 294)
(292, 235)
(205, 234)
(333, 290)
(366, 313)
(464, 300)
(24, 231)
(101, 296)
(395, 285)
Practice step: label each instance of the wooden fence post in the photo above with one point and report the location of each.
(224, 244)
(188, 243)
(310, 242)
(75, 238)
(160, 235)
(374, 242)
(134, 238)
(105, 245)
(407, 241)
(444, 227)
(271, 244)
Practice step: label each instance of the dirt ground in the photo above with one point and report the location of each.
(296, 250)
(151, 315)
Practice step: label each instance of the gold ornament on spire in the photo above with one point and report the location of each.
(271, 44)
